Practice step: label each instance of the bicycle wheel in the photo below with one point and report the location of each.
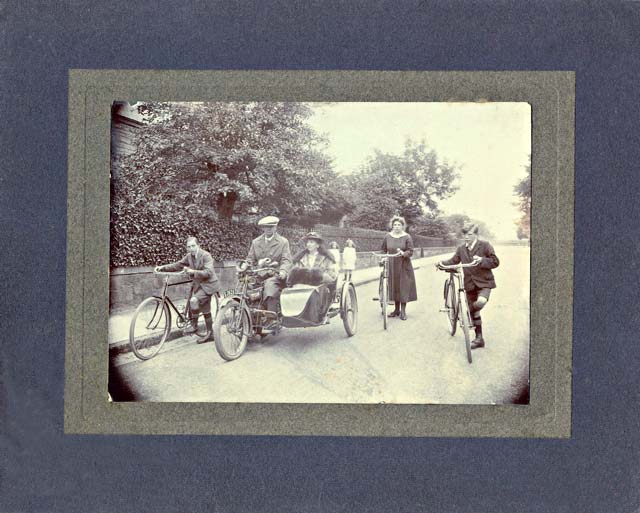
(231, 331)
(382, 293)
(465, 322)
(450, 306)
(349, 309)
(150, 326)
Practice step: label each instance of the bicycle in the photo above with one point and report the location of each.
(151, 322)
(383, 283)
(455, 303)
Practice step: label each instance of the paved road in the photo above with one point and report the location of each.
(415, 361)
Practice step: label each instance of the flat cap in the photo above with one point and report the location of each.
(268, 221)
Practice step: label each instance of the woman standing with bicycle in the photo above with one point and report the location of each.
(402, 281)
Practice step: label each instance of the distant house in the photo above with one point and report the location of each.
(125, 120)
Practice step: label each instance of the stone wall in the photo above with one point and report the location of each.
(128, 286)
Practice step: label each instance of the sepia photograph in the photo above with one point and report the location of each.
(343, 252)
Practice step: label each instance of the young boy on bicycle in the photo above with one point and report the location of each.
(198, 264)
(478, 280)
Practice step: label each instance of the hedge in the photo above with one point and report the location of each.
(145, 238)
(142, 238)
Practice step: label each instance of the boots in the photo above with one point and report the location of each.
(478, 341)
(403, 311)
(192, 327)
(396, 311)
(273, 305)
(209, 324)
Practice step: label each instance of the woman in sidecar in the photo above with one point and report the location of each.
(310, 299)
(311, 284)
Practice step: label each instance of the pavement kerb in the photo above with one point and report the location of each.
(367, 276)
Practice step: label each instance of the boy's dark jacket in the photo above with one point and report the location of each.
(481, 276)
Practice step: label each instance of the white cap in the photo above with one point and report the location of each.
(268, 221)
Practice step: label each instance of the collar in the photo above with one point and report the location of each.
(471, 246)
(269, 239)
(310, 260)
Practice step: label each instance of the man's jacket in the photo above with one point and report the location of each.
(204, 276)
(277, 249)
(480, 276)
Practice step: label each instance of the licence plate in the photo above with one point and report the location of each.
(230, 292)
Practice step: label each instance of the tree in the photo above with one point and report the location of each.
(457, 221)
(230, 158)
(432, 227)
(521, 233)
(522, 190)
(409, 184)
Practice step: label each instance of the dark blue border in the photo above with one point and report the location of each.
(597, 470)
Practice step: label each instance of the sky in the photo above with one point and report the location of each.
(490, 142)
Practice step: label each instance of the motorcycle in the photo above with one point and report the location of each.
(242, 315)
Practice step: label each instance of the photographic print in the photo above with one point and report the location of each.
(320, 252)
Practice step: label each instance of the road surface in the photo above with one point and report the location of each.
(415, 361)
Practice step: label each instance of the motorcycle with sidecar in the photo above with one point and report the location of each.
(242, 315)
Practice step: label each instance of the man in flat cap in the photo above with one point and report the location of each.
(273, 247)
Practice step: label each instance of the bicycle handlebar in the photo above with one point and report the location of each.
(456, 266)
(387, 255)
(169, 273)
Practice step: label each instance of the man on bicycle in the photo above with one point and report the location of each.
(198, 264)
(478, 280)
(271, 247)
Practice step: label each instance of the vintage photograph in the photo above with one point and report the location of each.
(353, 253)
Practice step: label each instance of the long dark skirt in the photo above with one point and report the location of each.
(317, 305)
(402, 280)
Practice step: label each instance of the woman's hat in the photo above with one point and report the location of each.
(314, 236)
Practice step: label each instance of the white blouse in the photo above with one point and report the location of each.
(349, 258)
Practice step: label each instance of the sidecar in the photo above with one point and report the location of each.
(306, 303)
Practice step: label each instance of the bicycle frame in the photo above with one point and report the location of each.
(463, 312)
(184, 315)
(383, 289)
(452, 283)
(460, 294)
(182, 318)
(385, 259)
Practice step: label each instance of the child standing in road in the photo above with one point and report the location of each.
(349, 259)
(335, 252)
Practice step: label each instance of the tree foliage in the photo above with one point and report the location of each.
(409, 184)
(522, 190)
(432, 226)
(229, 157)
(200, 166)
(456, 222)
